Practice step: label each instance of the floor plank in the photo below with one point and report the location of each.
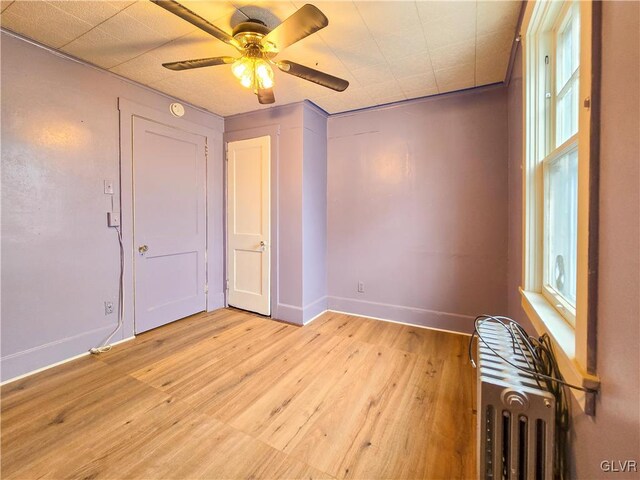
(232, 395)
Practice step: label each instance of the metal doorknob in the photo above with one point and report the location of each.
(262, 244)
(143, 248)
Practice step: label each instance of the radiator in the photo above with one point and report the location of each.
(516, 416)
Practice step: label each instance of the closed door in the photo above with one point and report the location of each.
(169, 171)
(249, 225)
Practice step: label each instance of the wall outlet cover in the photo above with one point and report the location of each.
(113, 219)
(360, 287)
(108, 308)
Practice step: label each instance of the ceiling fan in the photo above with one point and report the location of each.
(259, 45)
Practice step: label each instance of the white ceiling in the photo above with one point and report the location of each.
(388, 50)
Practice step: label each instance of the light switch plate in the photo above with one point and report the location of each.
(108, 187)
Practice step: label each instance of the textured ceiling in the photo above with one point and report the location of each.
(388, 50)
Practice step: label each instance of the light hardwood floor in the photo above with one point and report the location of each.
(229, 395)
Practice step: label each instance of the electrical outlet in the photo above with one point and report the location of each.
(108, 308)
(360, 287)
(113, 219)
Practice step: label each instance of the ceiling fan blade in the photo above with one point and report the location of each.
(196, 20)
(315, 76)
(301, 24)
(266, 96)
(198, 63)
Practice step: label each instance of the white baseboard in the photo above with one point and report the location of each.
(288, 313)
(66, 360)
(314, 309)
(316, 317)
(399, 323)
(301, 315)
(448, 322)
(415, 317)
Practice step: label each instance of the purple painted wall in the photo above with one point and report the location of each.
(314, 213)
(614, 433)
(418, 209)
(514, 253)
(60, 261)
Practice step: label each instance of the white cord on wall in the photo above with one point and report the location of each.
(106, 346)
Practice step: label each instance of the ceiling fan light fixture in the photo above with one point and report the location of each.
(255, 73)
(264, 74)
(242, 69)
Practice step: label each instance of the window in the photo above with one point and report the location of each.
(560, 164)
(557, 64)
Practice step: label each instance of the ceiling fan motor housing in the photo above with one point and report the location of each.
(250, 32)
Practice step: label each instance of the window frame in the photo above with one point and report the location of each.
(573, 333)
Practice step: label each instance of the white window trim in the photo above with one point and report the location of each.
(570, 343)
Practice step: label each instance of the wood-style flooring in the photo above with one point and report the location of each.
(230, 395)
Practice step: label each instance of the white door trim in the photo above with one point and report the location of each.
(214, 202)
(272, 131)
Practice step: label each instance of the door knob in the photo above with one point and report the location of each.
(143, 248)
(263, 245)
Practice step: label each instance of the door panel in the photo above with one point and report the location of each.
(249, 224)
(169, 171)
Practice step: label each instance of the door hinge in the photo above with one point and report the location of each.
(206, 288)
(227, 285)
(206, 151)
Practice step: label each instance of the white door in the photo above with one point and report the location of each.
(169, 172)
(249, 224)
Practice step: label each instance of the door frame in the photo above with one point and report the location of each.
(272, 131)
(213, 202)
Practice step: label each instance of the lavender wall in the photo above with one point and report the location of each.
(614, 433)
(514, 248)
(418, 209)
(314, 213)
(60, 261)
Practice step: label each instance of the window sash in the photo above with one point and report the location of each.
(569, 13)
(555, 298)
(571, 81)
